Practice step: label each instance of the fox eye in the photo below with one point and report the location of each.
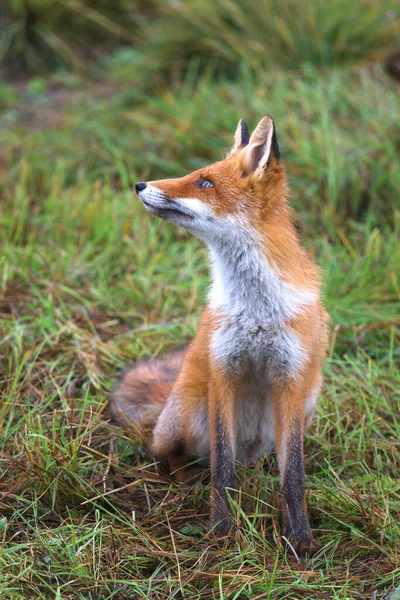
(206, 184)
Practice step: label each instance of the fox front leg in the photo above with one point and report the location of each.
(289, 432)
(222, 425)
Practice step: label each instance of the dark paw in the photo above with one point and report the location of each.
(221, 530)
(302, 548)
(187, 474)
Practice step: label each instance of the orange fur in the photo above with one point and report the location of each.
(143, 390)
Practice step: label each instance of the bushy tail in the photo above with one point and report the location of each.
(140, 395)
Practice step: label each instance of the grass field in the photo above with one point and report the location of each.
(89, 282)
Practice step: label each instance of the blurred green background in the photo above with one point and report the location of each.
(148, 73)
(93, 97)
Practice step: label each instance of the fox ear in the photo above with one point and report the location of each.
(263, 144)
(241, 137)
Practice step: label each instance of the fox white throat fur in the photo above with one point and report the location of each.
(250, 379)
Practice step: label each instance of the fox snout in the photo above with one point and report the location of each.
(157, 202)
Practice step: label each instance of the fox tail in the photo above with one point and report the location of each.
(143, 389)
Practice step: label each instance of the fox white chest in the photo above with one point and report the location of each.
(255, 306)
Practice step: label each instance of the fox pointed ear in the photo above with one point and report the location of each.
(241, 137)
(263, 145)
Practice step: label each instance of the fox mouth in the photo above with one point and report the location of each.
(166, 210)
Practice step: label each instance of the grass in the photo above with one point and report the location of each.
(38, 36)
(162, 37)
(90, 282)
(269, 34)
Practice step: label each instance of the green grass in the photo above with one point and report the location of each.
(38, 36)
(269, 33)
(89, 282)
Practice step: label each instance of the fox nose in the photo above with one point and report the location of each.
(140, 186)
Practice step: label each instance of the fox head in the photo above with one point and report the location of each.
(241, 190)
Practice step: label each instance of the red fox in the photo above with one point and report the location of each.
(251, 377)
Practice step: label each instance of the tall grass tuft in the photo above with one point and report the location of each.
(42, 35)
(270, 33)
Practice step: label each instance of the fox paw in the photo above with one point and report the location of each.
(302, 548)
(221, 530)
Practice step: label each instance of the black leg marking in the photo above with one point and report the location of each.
(296, 521)
(295, 524)
(222, 477)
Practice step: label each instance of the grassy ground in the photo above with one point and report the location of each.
(89, 282)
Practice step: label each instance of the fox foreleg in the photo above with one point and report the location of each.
(289, 435)
(222, 424)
